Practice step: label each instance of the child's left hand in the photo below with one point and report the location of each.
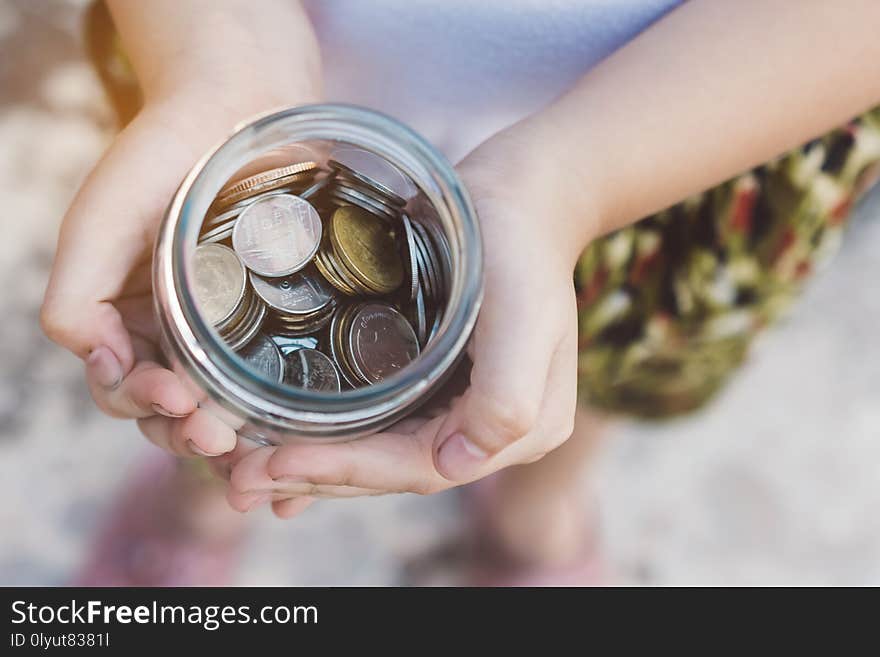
(521, 399)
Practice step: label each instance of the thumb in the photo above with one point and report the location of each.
(107, 232)
(512, 348)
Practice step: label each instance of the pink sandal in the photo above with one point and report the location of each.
(144, 542)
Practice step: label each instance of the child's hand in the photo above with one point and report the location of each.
(99, 300)
(521, 399)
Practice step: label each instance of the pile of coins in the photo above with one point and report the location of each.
(320, 276)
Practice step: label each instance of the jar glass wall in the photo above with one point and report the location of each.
(271, 412)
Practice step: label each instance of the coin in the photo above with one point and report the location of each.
(338, 329)
(317, 187)
(277, 235)
(421, 318)
(378, 171)
(239, 334)
(310, 369)
(264, 357)
(381, 342)
(217, 234)
(425, 281)
(298, 294)
(286, 343)
(265, 181)
(409, 248)
(432, 260)
(350, 196)
(367, 249)
(303, 325)
(218, 281)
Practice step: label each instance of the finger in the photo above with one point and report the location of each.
(200, 434)
(387, 462)
(508, 379)
(157, 429)
(286, 509)
(250, 478)
(328, 491)
(244, 502)
(106, 233)
(148, 389)
(222, 465)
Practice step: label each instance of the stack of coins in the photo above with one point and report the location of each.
(301, 304)
(353, 188)
(223, 294)
(322, 277)
(370, 342)
(359, 255)
(233, 199)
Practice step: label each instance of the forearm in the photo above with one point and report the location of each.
(220, 44)
(711, 90)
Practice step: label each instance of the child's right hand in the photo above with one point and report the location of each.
(99, 300)
(203, 67)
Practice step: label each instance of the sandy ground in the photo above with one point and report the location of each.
(775, 483)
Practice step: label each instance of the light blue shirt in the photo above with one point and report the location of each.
(460, 70)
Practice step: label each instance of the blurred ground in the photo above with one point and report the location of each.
(776, 483)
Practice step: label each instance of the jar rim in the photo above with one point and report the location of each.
(214, 366)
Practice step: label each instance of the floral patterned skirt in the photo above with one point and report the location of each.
(669, 306)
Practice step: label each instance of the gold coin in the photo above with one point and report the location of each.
(329, 273)
(366, 248)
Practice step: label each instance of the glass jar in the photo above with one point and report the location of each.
(270, 412)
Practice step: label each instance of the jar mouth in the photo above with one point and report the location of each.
(210, 361)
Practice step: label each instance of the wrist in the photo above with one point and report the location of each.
(526, 168)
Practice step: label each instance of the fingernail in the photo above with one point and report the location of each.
(161, 410)
(105, 367)
(458, 457)
(195, 449)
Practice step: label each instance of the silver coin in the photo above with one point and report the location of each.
(277, 235)
(429, 257)
(219, 282)
(251, 332)
(218, 233)
(347, 195)
(426, 282)
(410, 251)
(377, 170)
(354, 179)
(310, 369)
(220, 237)
(244, 322)
(421, 318)
(301, 293)
(231, 213)
(287, 344)
(381, 342)
(435, 327)
(264, 357)
(429, 220)
(317, 187)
